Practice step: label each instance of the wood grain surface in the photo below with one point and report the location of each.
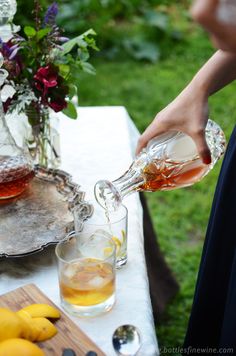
(69, 334)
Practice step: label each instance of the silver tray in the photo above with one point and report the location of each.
(42, 215)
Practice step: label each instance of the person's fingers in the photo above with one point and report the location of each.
(202, 147)
(153, 130)
(156, 128)
(140, 145)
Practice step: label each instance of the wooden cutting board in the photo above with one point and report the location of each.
(69, 334)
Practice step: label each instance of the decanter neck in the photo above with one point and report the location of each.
(128, 182)
(110, 194)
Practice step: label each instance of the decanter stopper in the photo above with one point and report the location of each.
(169, 161)
(7, 11)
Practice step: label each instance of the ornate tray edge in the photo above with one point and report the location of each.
(74, 196)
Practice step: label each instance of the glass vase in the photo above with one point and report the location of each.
(44, 141)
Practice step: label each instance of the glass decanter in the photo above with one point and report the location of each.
(169, 161)
(16, 169)
(7, 12)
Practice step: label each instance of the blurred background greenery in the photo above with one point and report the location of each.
(149, 50)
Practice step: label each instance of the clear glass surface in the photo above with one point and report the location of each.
(115, 223)
(86, 269)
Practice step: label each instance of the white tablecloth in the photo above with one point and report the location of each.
(100, 144)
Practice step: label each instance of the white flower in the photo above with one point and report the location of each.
(7, 92)
(25, 96)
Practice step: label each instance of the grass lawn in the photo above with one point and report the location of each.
(180, 217)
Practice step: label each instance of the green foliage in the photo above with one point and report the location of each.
(137, 27)
(73, 55)
(141, 29)
(81, 42)
(70, 110)
(29, 31)
(45, 65)
(141, 49)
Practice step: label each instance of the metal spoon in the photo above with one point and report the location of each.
(126, 340)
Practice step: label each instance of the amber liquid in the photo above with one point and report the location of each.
(14, 181)
(172, 175)
(87, 282)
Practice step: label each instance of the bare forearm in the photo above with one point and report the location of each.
(219, 71)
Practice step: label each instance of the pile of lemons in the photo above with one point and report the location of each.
(19, 330)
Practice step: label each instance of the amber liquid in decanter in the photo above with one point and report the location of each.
(15, 176)
(172, 175)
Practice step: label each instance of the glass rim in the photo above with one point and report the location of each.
(72, 235)
(88, 220)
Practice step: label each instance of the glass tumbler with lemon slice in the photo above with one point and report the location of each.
(86, 269)
(114, 223)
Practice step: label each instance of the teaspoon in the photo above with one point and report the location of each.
(126, 340)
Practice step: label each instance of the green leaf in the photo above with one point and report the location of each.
(88, 68)
(67, 47)
(29, 31)
(80, 41)
(64, 70)
(83, 54)
(72, 91)
(70, 111)
(43, 32)
(88, 32)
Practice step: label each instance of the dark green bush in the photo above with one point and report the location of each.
(140, 28)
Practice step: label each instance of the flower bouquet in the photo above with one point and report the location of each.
(43, 67)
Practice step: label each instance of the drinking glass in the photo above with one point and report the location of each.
(86, 269)
(113, 222)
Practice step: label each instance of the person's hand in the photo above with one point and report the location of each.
(187, 113)
(219, 19)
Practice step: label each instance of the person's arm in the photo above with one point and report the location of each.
(189, 111)
(219, 71)
(218, 17)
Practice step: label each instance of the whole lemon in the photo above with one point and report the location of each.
(19, 347)
(10, 324)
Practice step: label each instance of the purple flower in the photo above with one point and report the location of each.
(9, 50)
(12, 61)
(5, 48)
(14, 50)
(50, 16)
(63, 39)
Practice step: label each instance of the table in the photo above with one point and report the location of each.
(100, 144)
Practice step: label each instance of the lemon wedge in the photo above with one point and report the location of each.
(118, 244)
(107, 251)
